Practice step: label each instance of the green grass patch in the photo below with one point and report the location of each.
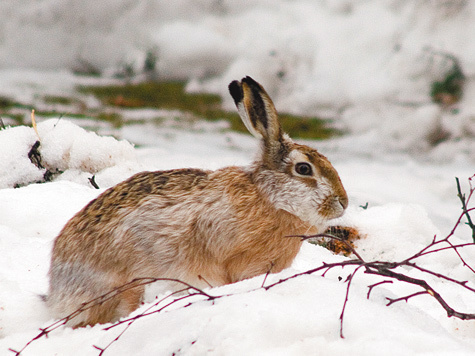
(61, 100)
(172, 96)
(114, 119)
(6, 103)
(449, 90)
(57, 114)
(17, 119)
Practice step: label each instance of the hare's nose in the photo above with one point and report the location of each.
(343, 201)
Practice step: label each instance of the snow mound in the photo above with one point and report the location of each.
(60, 150)
(391, 232)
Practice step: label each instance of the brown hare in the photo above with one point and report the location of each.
(195, 225)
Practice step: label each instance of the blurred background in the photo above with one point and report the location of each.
(394, 75)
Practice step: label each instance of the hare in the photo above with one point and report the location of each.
(202, 227)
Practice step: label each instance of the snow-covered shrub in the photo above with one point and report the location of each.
(60, 150)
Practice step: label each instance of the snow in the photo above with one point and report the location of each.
(367, 64)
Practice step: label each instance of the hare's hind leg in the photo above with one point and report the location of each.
(99, 298)
(130, 300)
(112, 307)
(99, 314)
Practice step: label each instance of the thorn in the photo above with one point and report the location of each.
(201, 278)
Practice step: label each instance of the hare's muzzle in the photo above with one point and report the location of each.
(333, 206)
(343, 200)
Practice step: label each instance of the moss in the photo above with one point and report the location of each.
(56, 114)
(164, 95)
(62, 100)
(306, 127)
(114, 119)
(449, 90)
(6, 103)
(17, 119)
(161, 95)
(172, 96)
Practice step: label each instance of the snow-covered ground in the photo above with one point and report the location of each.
(409, 202)
(367, 64)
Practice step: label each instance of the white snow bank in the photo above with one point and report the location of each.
(65, 149)
(401, 230)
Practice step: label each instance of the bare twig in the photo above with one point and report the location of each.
(441, 276)
(34, 155)
(59, 118)
(464, 207)
(370, 287)
(130, 321)
(429, 249)
(406, 298)
(272, 264)
(105, 297)
(427, 289)
(92, 180)
(201, 278)
(342, 315)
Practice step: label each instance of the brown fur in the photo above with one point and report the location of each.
(198, 226)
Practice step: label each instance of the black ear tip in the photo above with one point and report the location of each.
(251, 82)
(235, 90)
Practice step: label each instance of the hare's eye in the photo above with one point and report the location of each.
(303, 168)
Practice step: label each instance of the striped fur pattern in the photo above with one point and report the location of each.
(196, 225)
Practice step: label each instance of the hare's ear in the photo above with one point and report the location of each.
(256, 109)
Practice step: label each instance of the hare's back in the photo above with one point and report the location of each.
(131, 192)
(167, 186)
(170, 182)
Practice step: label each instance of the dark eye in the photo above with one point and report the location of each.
(303, 168)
